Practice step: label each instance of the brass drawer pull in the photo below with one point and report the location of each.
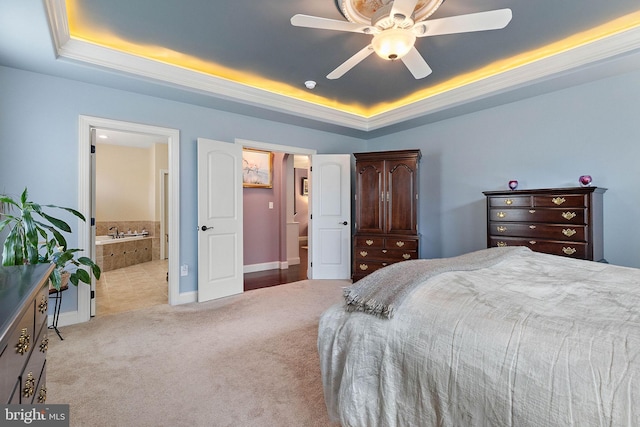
(364, 253)
(568, 215)
(384, 251)
(42, 395)
(533, 227)
(24, 342)
(42, 307)
(569, 232)
(558, 200)
(501, 229)
(501, 214)
(29, 386)
(364, 267)
(532, 211)
(369, 242)
(508, 202)
(406, 256)
(569, 251)
(501, 244)
(532, 242)
(400, 244)
(384, 264)
(44, 345)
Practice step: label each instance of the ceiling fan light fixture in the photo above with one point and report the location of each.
(393, 43)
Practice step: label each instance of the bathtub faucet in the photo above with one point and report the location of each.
(114, 235)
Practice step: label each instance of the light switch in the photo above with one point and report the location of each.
(270, 205)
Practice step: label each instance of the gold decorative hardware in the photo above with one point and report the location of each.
(533, 227)
(23, 342)
(569, 251)
(369, 242)
(406, 256)
(532, 211)
(501, 214)
(568, 215)
(532, 242)
(384, 251)
(29, 386)
(569, 232)
(44, 303)
(44, 345)
(384, 264)
(42, 395)
(501, 229)
(502, 244)
(508, 202)
(400, 244)
(364, 267)
(364, 253)
(558, 200)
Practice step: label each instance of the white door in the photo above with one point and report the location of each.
(330, 222)
(220, 262)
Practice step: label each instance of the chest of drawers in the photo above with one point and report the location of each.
(24, 296)
(558, 221)
(373, 252)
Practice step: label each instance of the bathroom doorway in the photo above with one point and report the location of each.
(131, 170)
(88, 127)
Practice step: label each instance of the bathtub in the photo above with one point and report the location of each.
(107, 240)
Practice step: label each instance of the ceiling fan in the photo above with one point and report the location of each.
(394, 32)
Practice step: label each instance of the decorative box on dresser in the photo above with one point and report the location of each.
(386, 210)
(558, 221)
(24, 296)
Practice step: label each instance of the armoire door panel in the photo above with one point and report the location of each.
(370, 188)
(401, 183)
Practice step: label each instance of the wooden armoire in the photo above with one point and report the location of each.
(386, 210)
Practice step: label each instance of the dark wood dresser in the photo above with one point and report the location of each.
(386, 210)
(24, 297)
(558, 221)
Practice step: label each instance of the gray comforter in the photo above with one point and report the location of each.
(532, 340)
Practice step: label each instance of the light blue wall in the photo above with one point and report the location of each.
(545, 141)
(39, 142)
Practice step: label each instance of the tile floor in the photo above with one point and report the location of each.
(131, 288)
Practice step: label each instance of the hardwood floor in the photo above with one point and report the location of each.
(264, 279)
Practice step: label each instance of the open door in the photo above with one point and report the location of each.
(220, 246)
(330, 222)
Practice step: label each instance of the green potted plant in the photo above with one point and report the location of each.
(35, 237)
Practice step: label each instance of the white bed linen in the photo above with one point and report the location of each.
(536, 340)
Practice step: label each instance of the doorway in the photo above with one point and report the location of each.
(87, 125)
(130, 171)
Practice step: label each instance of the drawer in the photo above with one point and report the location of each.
(369, 241)
(369, 266)
(507, 201)
(387, 255)
(32, 374)
(561, 201)
(19, 344)
(570, 249)
(541, 231)
(557, 216)
(400, 243)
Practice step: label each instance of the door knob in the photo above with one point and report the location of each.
(205, 228)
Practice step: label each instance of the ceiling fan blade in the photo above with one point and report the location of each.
(403, 7)
(350, 63)
(327, 24)
(416, 64)
(481, 21)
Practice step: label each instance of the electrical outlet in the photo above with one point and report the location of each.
(184, 270)
(270, 205)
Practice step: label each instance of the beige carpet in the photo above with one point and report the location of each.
(246, 360)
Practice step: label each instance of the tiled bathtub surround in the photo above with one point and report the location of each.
(121, 254)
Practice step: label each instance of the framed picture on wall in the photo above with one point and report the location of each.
(305, 187)
(257, 168)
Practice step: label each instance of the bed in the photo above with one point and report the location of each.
(498, 337)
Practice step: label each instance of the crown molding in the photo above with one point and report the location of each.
(547, 68)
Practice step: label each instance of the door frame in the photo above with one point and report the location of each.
(85, 124)
(277, 148)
